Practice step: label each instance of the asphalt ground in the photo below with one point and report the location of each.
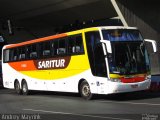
(66, 106)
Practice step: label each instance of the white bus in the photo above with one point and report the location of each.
(97, 60)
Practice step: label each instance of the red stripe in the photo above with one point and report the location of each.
(132, 80)
(37, 40)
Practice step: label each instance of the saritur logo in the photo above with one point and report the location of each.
(52, 63)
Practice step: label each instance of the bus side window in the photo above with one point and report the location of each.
(28, 51)
(15, 54)
(33, 55)
(11, 54)
(46, 52)
(6, 55)
(32, 51)
(54, 47)
(79, 48)
(71, 43)
(75, 44)
(61, 51)
(76, 49)
(45, 49)
(22, 56)
(22, 53)
(62, 47)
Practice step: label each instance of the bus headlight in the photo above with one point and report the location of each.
(148, 77)
(114, 80)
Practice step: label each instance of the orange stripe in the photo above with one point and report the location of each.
(37, 40)
(23, 65)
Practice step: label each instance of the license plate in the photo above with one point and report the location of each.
(134, 86)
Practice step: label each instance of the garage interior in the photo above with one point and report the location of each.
(30, 19)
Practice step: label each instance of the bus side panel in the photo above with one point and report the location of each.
(9, 75)
(65, 80)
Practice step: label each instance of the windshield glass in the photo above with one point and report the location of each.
(129, 55)
(122, 35)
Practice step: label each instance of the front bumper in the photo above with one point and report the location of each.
(118, 87)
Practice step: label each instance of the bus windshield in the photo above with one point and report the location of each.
(129, 55)
(122, 35)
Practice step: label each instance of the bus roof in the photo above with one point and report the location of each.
(65, 35)
(117, 27)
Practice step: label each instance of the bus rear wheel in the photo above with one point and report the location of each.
(85, 90)
(17, 87)
(25, 90)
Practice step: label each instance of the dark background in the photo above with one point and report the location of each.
(33, 19)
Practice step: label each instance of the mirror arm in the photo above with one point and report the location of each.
(103, 44)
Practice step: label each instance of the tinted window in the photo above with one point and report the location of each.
(54, 47)
(14, 54)
(22, 53)
(71, 45)
(45, 49)
(75, 44)
(96, 54)
(122, 35)
(32, 52)
(6, 55)
(62, 47)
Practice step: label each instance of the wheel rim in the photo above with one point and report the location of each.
(86, 90)
(24, 88)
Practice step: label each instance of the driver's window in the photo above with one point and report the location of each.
(100, 64)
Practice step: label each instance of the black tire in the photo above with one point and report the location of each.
(85, 91)
(17, 87)
(25, 90)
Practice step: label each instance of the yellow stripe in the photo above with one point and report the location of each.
(116, 76)
(77, 65)
(120, 76)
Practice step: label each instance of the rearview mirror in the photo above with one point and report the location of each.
(108, 45)
(154, 44)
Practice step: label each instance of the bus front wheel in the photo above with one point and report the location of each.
(25, 90)
(85, 90)
(17, 87)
